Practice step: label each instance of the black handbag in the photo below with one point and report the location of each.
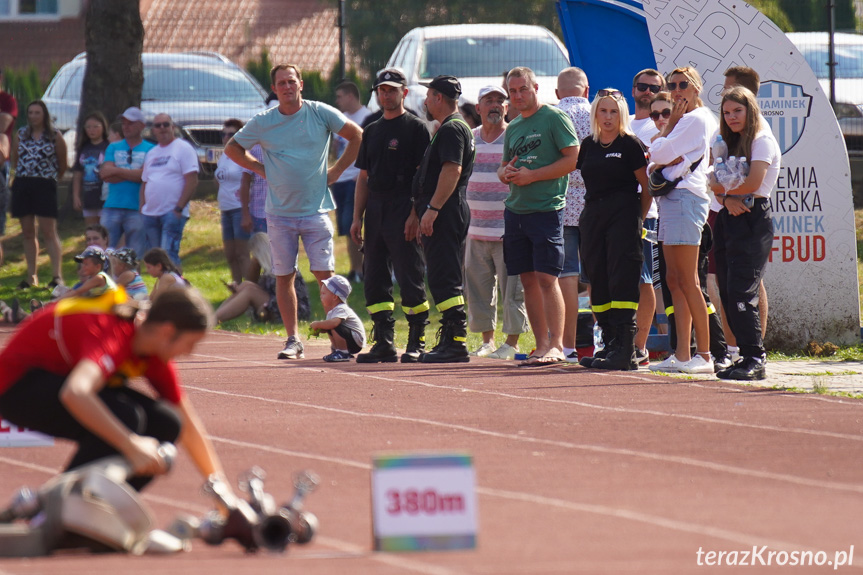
(658, 185)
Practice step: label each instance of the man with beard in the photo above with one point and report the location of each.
(540, 150)
(392, 149)
(439, 191)
(485, 271)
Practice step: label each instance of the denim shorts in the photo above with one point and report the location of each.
(682, 215)
(317, 234)
(533, 242)
(231, 226)
(572, 265)
(651, 253)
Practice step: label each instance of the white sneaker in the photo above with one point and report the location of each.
(505, 351)
(484, 350)
(696, 365)
(572, 357)
(668, 365)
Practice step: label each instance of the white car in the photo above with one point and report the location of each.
(478, 55)
(849, 87)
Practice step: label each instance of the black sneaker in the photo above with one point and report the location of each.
(641, 357)
(746, 369)
(722, 363)
(293, 349)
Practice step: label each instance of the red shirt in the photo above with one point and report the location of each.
(9, 105)
(62, 334)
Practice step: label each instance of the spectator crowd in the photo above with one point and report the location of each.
(517, 205)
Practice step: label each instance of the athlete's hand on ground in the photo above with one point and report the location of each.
(144, 456)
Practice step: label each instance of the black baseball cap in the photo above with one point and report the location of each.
(447, 85)
(390, 77)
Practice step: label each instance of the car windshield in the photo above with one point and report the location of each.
(490, 56)
(184, 82)
(848, 58)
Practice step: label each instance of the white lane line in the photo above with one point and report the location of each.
(342, 546)
(708, 465)
(604, 510)
(626, 410)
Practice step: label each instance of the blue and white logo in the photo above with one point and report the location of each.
(785, 107)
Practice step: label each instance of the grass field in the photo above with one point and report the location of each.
(205, 266)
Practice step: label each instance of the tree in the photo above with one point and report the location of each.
(811, 15)
(114, 77)
(376, 26)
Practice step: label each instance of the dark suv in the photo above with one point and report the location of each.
(199, 90)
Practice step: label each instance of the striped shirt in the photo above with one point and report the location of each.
(485, 193)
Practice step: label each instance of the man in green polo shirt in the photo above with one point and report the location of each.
(540, 150)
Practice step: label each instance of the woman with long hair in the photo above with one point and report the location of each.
(744, 227)
(39, 161)
(682, 150)
(613, 165)
(160, 265)
(86, 182)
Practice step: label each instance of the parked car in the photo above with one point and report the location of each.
(478, 55)
(849, 88)
(199, 90)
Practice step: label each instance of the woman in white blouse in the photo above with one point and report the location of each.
(682, 151)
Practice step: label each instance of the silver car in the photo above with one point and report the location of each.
(849, 88)
(199, 90)
(478, 55)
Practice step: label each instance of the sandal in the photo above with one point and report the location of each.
(543, 360)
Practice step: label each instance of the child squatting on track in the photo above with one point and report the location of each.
(346, 331)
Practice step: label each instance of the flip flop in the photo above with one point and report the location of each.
(543, 360)
(530, 361)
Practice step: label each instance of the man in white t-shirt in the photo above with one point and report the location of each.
(169, 179)
(645, 85)
(348, 101)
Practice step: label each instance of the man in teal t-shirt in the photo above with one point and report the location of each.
(124, 162)
(540, 150)
(295, 141)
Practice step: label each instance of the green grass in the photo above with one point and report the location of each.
(205, 267)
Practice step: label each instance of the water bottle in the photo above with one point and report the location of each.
(743, 167)
(597, 338)
(719, 148)
(649, 235)
(731, 164)
(720, 171)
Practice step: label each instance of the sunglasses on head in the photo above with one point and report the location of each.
(666, 113)
(642, 87)
(672, 86)
(610, 94)
(162, 125)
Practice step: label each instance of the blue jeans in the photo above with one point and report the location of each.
(166, 232)
(119, 221)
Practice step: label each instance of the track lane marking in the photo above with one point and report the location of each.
(687, 461)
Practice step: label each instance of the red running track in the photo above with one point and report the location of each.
(577, 471)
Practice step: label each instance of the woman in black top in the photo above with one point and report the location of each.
(39, 160)
(613, 164)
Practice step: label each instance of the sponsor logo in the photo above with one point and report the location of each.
(785, 107)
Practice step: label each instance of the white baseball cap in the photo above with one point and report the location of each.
(134, 114)
(485, 91)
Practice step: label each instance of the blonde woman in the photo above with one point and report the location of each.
(682, 151)
(613, 165)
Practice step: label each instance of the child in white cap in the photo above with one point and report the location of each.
(343, 325)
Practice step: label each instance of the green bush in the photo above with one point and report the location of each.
(26, 86)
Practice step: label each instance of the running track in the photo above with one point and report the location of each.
(577, 471)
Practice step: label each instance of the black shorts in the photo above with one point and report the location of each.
(34, 197)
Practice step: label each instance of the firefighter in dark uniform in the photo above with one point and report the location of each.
(439, 191)
(392, 149)
(613, 164)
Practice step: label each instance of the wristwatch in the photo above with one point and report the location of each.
(432, 208)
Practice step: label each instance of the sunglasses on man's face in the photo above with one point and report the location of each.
(610, 94)
(162, 125)
(666, 113)
(672, 86)
(642, 87)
